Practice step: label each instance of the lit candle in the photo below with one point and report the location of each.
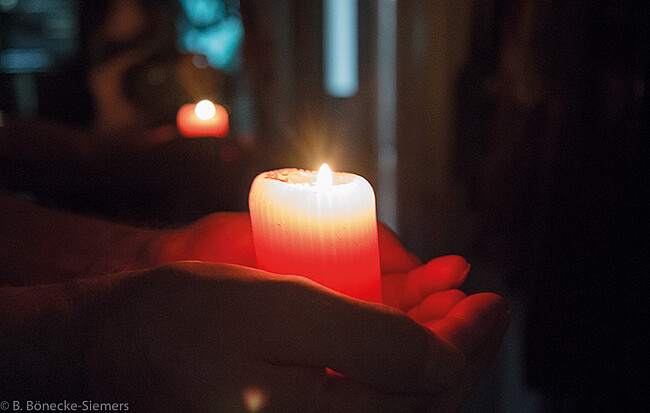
(202, 120)
(319, 225)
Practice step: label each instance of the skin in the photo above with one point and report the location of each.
(205, 336)
(92, 310)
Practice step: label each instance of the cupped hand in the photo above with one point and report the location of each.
(471, 327)
(214, 337)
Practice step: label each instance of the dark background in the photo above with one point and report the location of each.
(519, 137)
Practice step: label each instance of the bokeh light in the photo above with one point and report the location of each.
(205, 110)
(254, 399)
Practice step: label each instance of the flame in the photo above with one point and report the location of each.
(324, 179)
(205, 110)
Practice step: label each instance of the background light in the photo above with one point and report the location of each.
(340, 47)
(205, 110)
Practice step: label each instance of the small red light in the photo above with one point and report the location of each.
(191, 126)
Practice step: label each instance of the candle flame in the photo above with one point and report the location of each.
(205, 110)
(324, 179)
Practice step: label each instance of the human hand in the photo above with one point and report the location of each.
(429, 294)
(198, 337)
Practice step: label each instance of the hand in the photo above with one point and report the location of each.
(428, 293)
(473, 326)
(198, 337)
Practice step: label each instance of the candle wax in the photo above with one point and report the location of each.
(326, 232)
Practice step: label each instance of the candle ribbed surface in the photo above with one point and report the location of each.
(328, 235)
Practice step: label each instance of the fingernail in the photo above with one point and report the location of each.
(463, 276)
(452, 268)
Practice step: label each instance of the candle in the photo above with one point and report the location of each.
(319, 225)
(202, 120)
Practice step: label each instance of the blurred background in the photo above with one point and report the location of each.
(510, 132)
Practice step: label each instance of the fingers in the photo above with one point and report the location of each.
(436, 306)
(405, 291)
(394, 258)
(305, 324)
(476, 320)
(289, 320)
(476, 327)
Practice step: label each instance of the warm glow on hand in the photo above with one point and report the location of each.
(205, 110)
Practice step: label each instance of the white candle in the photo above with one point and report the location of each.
(322, 226)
